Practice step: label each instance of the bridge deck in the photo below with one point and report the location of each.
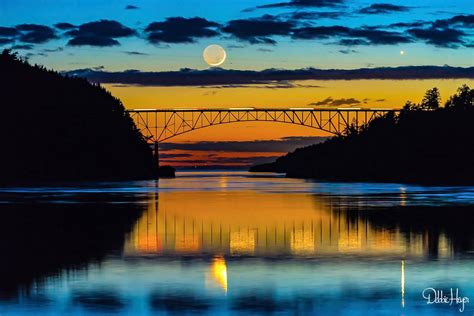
(351, 109)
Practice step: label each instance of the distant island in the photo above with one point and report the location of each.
(425, 143)
(56, 127)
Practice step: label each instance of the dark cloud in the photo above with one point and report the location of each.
(53, 50)
(347, 51)
(265, 50)
(131, 7)
(29, 55)
(181, 30)
(382, 8)
(222, 162)
(235, 46)
(92, 41)
(259, 30)
(4, 41)
(64, 26)
(283, 84)
(321, 32)
(22, 47)
(408, 24)
(135, 53)
(444, 37)
(165, 155)
(336, 102)
(351, 36)
(215, 77)
(314, 15)
(103, 28)
(35, 33)
(99, 33)
(303, 3)
(379, 37)
(466, 21)
(352, 42)
(285, 144)
(8, 31)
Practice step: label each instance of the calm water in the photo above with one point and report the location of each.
(234, 243)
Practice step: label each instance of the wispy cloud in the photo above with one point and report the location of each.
(336, 102)
(383, 8)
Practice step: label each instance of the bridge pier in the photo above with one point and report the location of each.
(156, 156)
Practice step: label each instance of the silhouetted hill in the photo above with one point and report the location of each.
(424, 143)
(54, 127)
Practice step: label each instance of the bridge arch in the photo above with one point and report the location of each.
(158, 125)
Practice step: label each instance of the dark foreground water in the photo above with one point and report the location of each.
(236, 243)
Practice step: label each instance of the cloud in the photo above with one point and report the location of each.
(131, 7)
(383, 8)
(283, 84)
(4, 41)
(165, 155)
(303, 3)
(135, 53)
(64, 26)
(347, 51)
(233, 46)
(29, 55)
(53, 50)
(181, 30)
(91, 40)
(259, 30)
(35, 33)
(22, 47)
(352, 42)
(314, 15)
(408, 24)
(99, 33)
(321, 32)
(216, 77)
(8, 31)
(452, 32)
(441, 37)
(222, 162)
(465, 21)
(265, 50)
(379, 37)
(284, 144)
(351, 36)
(336, 102)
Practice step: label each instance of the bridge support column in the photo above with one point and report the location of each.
(156, 156)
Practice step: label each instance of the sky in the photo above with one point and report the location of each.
(123, 43)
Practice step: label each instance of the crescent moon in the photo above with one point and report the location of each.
(214, 55)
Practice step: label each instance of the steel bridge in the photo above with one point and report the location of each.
(158, 125)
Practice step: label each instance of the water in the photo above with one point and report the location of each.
(234, 243)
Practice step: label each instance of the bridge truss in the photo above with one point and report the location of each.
(158, 125)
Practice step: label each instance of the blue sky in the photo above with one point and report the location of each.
(286, 51)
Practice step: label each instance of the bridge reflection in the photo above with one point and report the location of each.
(269, 225)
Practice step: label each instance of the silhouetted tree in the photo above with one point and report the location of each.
(419, 145)
(55, 127)
(431, 99)
(463, 99)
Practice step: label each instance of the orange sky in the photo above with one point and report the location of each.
(370, 93)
